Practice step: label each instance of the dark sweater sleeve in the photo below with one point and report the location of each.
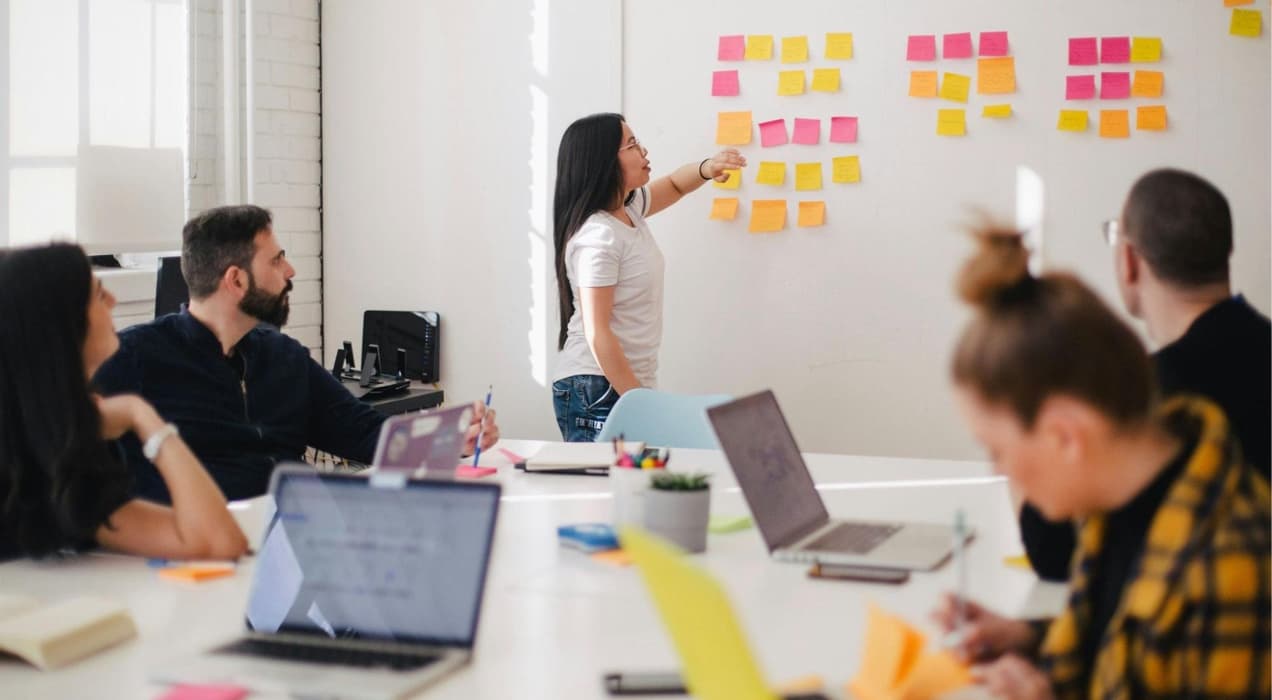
(339, 423)
(1048, 545)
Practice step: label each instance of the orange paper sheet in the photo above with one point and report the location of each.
(812, 213)
(1115, 123)
(996, 76)
(768, 215)
(1147, 83)
(733, 128)
(724, 209)
(1151, 118)
(894, 667)
(923, 83)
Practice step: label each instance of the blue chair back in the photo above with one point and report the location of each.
(663, 420)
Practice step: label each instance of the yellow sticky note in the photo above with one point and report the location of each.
(790, 82)
(1151, 118)
(812, 213)
(808, 176)
(1018, 561)
(1146, 49)
(922, 83)
(733, 182)
(1072, 120)
(955, 87)
(1115, 123)
(1246, 23)
(759, 47)
(839, 45)
(771, 173)
(733, 128)
(996, 111)
(1147, 83)
(825, 80)
(951, 122)
(845, 169)
(724, 209)
(996, 76)
(794, 49)
(768, 215)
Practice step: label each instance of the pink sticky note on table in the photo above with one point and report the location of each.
(1079, 87)
(724, 83)
(993, 44)
(732, 48)
(1084, 51)
(1115, 49)
(921, 47)
(1115, 86)
(773, 133)
(205, 692)
(511, 456)
(807, 131)
(957, 45)
(468, 471)
(843, 130)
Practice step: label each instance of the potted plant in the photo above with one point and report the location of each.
(677, 507)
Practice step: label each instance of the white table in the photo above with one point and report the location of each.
(554, 620)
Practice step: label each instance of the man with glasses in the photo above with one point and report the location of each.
(1171, 248)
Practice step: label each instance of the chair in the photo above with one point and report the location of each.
(662, 419)
(170, 287)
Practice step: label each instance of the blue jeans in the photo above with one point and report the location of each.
(582, 404)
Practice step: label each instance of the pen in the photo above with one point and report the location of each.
(482, 428)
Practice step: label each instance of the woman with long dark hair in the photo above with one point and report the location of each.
(608, 266)
(61, 485)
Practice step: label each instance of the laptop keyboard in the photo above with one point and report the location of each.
(852, 538)
(323, 654)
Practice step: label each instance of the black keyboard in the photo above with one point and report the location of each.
(325, 654)
(852, 538)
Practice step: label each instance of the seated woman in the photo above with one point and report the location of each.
(1170, 591)
(61, 485)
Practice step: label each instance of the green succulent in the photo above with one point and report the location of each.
(680, 481)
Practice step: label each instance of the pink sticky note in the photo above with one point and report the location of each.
(511, 456)
(843, 130)
(957, 45)
(1084, 51)
(1115, 86)
(921, 47)
(1079, 87)
(724, 83)
(732, 48)
(807, 131)
(467, 471)
(1115, 49)
(993, 44)
(773, 133)
(205, 692)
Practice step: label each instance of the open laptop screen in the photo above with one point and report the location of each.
(347, 559)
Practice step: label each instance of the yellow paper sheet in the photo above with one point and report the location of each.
(808, 177)
(951, 122)
(1247, 23)
(771, 173)
(1072, 120)
(1151, 118)
(812, 213)
(733, 128)
(1018, 561)
(790, 82)
(759, 47)
(839, 45)
(846, 169)
(996, 76)
(996, 111)
(1115, 123)
(922, 83)
(724, 209)
(1146, 49)
(1147, 83)
(955, 87)
(794, 49)
(768, 215)
(734, 182)
(825, 80)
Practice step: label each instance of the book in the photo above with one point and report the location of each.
(52, 635)
(588, 537)
(580, 457)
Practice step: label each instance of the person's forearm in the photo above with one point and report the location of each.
(687, 178)
(203, 523)
(614, 365)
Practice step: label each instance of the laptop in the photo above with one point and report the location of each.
(360, 590)
(791, 516)
(431, 441)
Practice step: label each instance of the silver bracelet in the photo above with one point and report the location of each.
(155, 442)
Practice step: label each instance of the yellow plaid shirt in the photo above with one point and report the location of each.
(1193, 620)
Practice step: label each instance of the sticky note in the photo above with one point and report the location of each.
(922, 83)
(767, 216)
(1146, 49)
(843, 130)
(1237, 3)
(724, 208)
(205, 691)
(196, 573)
(759, 47)
(790, 82)
(812, 213)
(613, 557)
(794, 49)
(1247, 23)
(845, 169)
(808, 177)
(921, 47)
(733, 128)
(1115, 86)
(957, 45)
(773, 133)
(1147, 83)
(771, 173)
(995, 76)
(890, 651)
(724, 83)
(1084, 51)
(993, 44)
(1115, 49)
(934, 675)
(1151, 118)
(1079, 87)
(468, 471)
(1072, 120)
(839, 45)
(725, 524)
(731, 48)
(996, 111)
(732, 182)
(807, 131)
(1018, 561)
(1115, 123)
(951, 122)
(825, 80)
(954, 87)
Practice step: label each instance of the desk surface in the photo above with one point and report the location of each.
(555, 620)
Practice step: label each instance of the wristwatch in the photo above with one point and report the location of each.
(156, 440)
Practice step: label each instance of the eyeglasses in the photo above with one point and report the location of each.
(633, 144)
(1111, 231)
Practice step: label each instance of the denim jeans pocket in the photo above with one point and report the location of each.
(596, 394)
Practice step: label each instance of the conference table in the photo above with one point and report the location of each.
(554, 619)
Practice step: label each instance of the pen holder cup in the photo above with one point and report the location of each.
(679, 516)
(628, 487)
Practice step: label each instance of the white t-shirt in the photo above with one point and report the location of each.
(606, 252)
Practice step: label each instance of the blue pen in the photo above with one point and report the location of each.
(482, 428)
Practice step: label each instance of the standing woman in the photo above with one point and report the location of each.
(608, 266)
(61, 484)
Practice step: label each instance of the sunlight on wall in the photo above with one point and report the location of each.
(540, 194)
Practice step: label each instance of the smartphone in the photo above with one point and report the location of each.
(852, 572)
(645, 684)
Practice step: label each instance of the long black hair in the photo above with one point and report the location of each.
(588, 180)
(59, 480)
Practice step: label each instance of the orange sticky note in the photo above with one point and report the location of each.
(845, 169)
(724, 209)
(922, 83)
(890, 651)
(951, 122)
(955, 87)
(196, 574)
(1147, 83)
(1072, 120)
(733, 181)
(768, 215)
(1151, 118)
(812, 213)
(733, 128)
(934, 675)
(995, 76)
(613, 557)
(1237, 3)
(1247, 23)
(790, 82)
(759, 47)
(1115, 123)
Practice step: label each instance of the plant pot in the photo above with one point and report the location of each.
(679, 516)
(628, 487)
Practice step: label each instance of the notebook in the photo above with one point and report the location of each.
(575, 457)
(54, 635)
